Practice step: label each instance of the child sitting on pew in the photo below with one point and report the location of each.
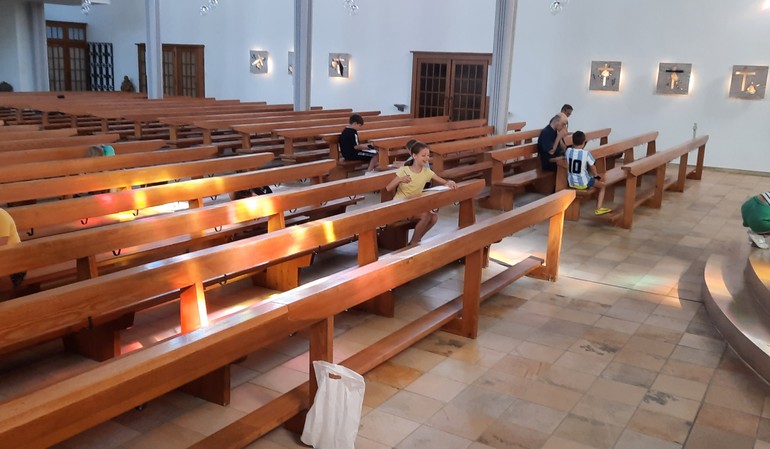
(410, 181)
(9, 236)
(581, 170)
(352, 150)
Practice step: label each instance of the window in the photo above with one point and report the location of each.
(182, 70)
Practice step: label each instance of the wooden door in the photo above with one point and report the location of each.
(67, 56)
(183, 73)
(453, 84)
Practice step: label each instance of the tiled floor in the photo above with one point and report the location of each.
(619, 353)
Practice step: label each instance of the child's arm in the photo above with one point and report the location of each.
(441, 181)
(396, 181)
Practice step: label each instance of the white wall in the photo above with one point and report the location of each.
(16, 47)
(712, 35)
(552, 58)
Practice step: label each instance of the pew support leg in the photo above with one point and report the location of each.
(550, 270)
(468, 324)
(213, 387)
(101, 342)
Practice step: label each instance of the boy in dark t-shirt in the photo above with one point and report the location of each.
(350, 148)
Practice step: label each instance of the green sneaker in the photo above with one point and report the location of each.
(602, 211)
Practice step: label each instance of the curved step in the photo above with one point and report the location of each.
(758, 276)
(731, 300)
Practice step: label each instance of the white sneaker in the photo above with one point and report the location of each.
(757, 240)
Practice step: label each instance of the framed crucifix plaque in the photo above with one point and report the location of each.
(674, 78)
(605, 75)
(748, 82)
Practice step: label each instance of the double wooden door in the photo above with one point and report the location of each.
(453, 84)
(183, 73)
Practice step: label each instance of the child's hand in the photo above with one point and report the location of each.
(405, 179)
(451, 184)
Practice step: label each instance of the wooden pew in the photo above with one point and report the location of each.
(657, 163)
(605, 156)
(290, 135)
(344, 167)
(167, 235)
(126, 179)
(52, 142)
(32, 218)
(4, 130)
(392, 147)
(516, 126)
(77, 151)
(11, 136)
(41, 170)
(443, 153)
(524, 169)
(87, 399)
(102, 314)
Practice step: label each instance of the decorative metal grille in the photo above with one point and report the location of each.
(101, 65)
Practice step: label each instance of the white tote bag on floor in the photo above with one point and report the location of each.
(332, 421)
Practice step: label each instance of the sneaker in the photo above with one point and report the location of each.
(757, 239)
(602, 211)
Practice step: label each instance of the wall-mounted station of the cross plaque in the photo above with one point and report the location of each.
(674, 78)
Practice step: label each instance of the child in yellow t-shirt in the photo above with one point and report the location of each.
(9, 236)
(410, 180)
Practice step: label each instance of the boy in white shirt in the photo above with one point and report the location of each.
(581, 170)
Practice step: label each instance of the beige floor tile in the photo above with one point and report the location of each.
(522, 367)
(504, 435)
(560, 443)
(534, 416)
(696, 356)
(589, 432)
(640, 359)
(167, 436)
(680, 387)
(735, 400)
(280, 379)
(701, 342)
(411, 406)
(436, 387)
(689, 371)
(396, 376)
(549, 395)
(208, 418)
(581, 363)
(385, 428)
(704, 437)
(458, 370)
(730, 420)
(650, 346)
(376, 393)
(563, 377)
(604, 410)
(366, 443)
(661, 426)
(618, 391)
(629, 374)
(429, 437)
(461, 422)
(418, 359)
(668, 404)
(538, 352)
(633, 440)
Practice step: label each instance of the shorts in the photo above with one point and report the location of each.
(591, 182)
(358, 156)
(756, 215)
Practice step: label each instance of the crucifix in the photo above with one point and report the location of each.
(745, 74)
(259, 62)
(604, 73)
(673, 77)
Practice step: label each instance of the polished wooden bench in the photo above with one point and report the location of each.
(515, 168)
(612, 175)
(41, 170)
(4, 130)
(291, 135)
(657, 163)
(127, 178)
(52, 142)
(78, 151)
(389, 148)
(99, 313)
(11, 136)
(515, 126)
(74, 213)
(344, 167)
(72, 405)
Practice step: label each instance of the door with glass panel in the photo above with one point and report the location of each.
(182, 70)
(67, 56)
(452, 84)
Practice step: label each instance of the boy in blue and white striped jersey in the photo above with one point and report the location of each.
(581, 170)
